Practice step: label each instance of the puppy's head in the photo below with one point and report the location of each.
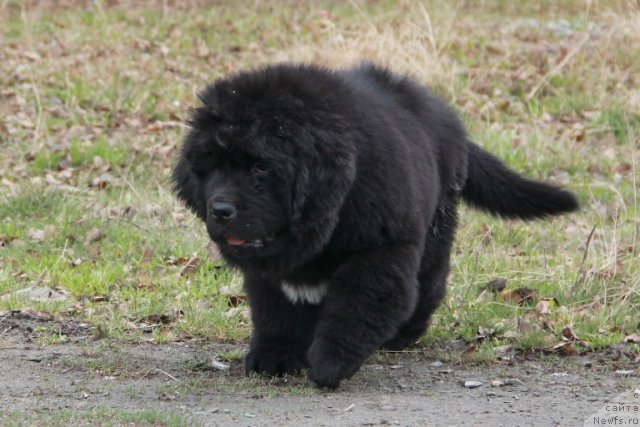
(267, 163)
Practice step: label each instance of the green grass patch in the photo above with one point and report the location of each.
(99, 416)
(89, 132)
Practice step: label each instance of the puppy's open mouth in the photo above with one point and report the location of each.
(235, 241)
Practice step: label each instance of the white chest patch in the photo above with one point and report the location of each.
(305, 294)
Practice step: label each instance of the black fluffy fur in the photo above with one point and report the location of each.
(343, 184)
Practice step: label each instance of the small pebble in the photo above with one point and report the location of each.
(436, 364)
(219, 366)
(210, 411)
(472, 384)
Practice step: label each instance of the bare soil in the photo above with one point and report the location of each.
(407, 389)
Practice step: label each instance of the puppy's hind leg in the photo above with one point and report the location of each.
(368, 299)
(432, 290)
(282, 330)
(432, 278)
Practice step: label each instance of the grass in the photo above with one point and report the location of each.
(99, 416)
(90, 124)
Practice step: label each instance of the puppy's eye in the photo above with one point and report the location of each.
(260, 168)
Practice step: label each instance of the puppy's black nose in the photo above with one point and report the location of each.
(223, 210)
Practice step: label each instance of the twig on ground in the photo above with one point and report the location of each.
(167, 374)
(582, 271)
(347, 409)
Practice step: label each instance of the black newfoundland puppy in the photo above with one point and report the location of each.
(335, 193)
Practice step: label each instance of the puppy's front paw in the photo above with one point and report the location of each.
(327, 370)
(274, 362)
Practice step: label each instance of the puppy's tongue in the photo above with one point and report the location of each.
(234, 241)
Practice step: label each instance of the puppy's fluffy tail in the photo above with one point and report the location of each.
(496, 189)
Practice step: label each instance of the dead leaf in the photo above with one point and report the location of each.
(568, 334)
(236, 300)
(190, 267)
(4, 241)
(520, 296)
(159, 125)
(166, 396)
(171, 260)
(545, 305)
(563, 347)
(94, 235)
(623, 168)
(542, 307)
(154, 127)
(103, 181)
(635, 338)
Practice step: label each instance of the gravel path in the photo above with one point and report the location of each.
(392, 389)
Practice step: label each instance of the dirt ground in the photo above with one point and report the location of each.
(408, 389)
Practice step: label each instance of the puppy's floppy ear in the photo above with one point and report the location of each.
(299, 193)
(186, 182)
(187, 188)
